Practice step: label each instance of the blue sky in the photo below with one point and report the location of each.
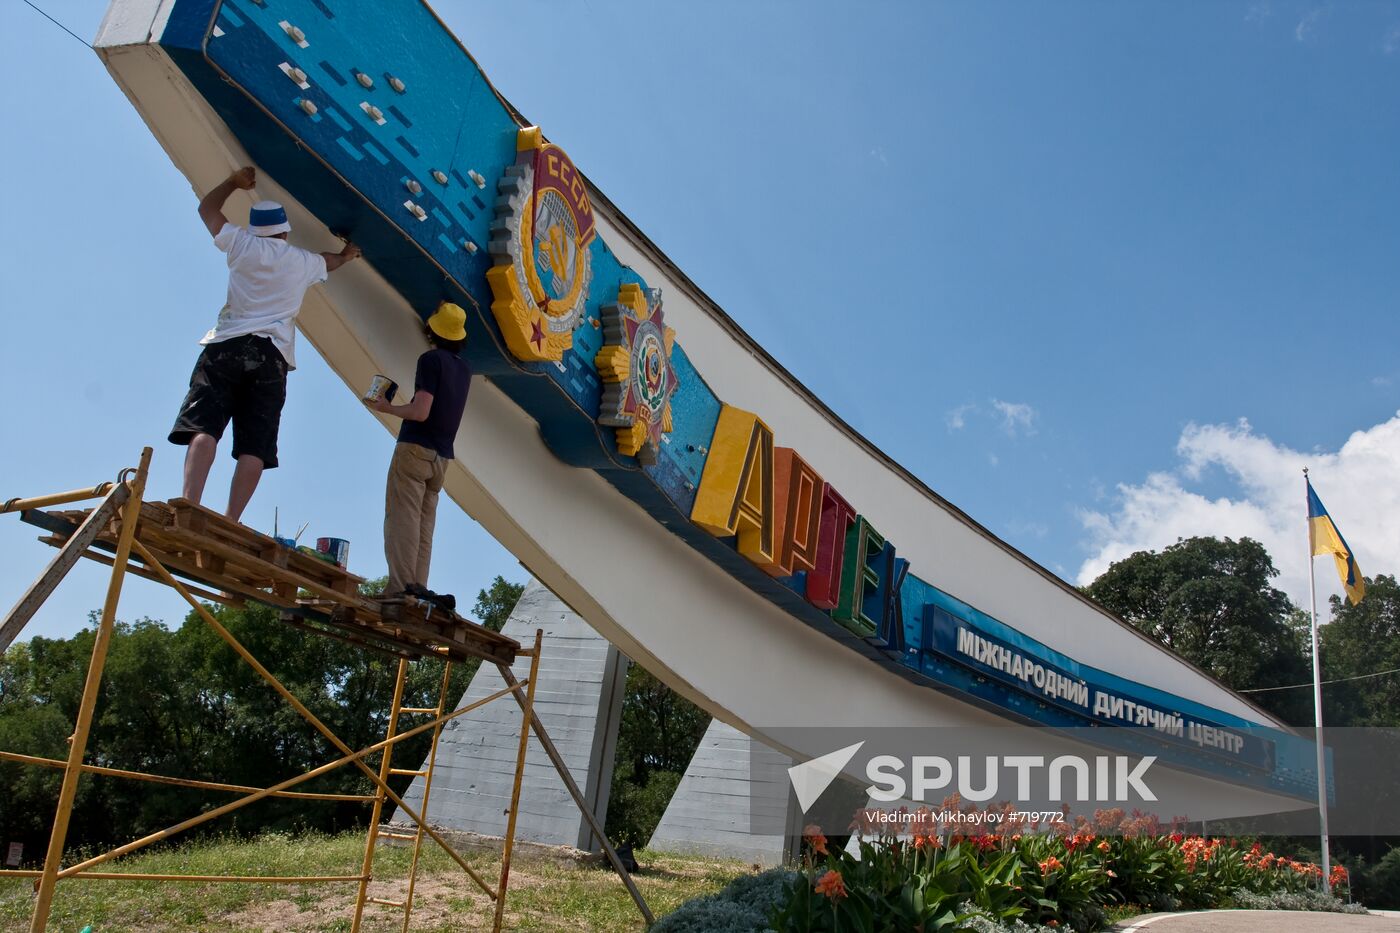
(1047, 256)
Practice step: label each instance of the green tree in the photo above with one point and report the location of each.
(1211, 601)
(1360, 640)
(659, 733)
(494, 604)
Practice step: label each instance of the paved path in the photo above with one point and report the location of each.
(1250, 921)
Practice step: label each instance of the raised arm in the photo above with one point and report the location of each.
(211, 206)
(335, 260)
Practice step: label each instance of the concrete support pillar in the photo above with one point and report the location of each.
(732, 802)
(579, 699)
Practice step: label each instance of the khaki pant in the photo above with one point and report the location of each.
(410, 512)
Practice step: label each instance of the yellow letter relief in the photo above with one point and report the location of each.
(539, 242)
(736, 489)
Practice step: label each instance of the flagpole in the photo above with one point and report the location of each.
(1317, 706)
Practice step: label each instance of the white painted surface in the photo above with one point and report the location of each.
(729, 650)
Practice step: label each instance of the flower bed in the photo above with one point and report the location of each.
(1054, 878)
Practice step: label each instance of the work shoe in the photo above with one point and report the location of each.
(441, 600)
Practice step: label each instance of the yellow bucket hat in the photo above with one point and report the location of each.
(449, 322)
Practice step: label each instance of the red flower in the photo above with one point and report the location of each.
(831, 885)
(1079, 840)
(1049, 865)
(866, 823)
(812, 835)
(927, 841)
(1105, 847)
(984, 842)
(1108, 820)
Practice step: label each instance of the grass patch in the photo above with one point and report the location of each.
(544, 895)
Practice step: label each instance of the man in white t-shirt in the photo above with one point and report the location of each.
(242, 374)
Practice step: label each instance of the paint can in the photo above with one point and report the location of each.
(381, 387)
(314, 554)
(338, 549)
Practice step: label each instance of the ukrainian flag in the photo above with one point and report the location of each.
(1326, 539)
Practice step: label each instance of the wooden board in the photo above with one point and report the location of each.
(244, 565)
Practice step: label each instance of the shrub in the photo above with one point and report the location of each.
(741, 907)
(979, 921)
(1294, 900)
(1379, 884)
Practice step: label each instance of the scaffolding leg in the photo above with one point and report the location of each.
(385, 762)
(427, 790)
(572, 787)
(267, 676)
(130, 514)
(528, 707)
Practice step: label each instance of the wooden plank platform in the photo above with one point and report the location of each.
(234, 564)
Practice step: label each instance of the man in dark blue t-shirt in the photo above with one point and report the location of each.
(430, 421)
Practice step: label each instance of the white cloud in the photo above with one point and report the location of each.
(1308, 24)
(957, 417)
(1016, 417)
(1358, 483)
(1392, 40)
(1013, 418)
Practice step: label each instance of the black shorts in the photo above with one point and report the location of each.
(243, 379)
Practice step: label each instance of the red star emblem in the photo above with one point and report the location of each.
(536, 334)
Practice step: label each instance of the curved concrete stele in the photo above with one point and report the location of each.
(665, 606)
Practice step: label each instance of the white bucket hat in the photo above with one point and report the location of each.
(268, 218)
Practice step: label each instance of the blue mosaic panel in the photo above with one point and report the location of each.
(446, 118)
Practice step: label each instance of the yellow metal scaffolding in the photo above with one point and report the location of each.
(118, 524)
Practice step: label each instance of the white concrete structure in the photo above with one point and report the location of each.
(737, 655)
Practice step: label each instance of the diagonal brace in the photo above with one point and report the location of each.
(62, 562)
